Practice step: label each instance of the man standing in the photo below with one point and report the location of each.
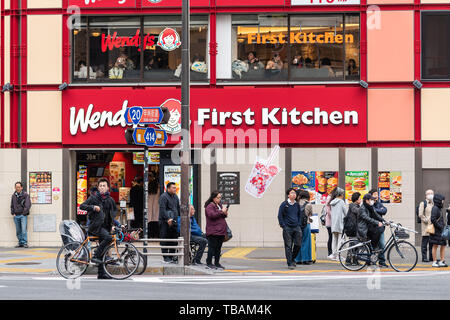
(380, 209)
(20, 209)
(196, 236)
(101, 210)
(137, 203)
(425, 216)
(169, 211)
(290, 220)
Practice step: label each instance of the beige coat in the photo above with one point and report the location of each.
(425, 216)
(153, 207)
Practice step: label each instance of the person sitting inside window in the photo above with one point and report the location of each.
(151, 65)
(116, 72)
(298, 61)
(275, 63)
(308, 63)
(326, 64)
(352, 68)
(82, 71)
(253, 62)
(198, 64)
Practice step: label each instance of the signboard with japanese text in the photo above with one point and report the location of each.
(40, 187)
(228, 184)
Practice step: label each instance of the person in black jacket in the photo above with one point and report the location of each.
(437, 219)
(137, 202)
(20, 209)
(169, 210)
(101, 210)
(381, 210)
(370, 224)
(290, 218)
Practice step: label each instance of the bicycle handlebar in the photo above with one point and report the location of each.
(398, 226)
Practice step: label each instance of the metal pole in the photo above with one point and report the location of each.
(145, 196)
(186, 142)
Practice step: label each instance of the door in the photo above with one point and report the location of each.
(439, 181)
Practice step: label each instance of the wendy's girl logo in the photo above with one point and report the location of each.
(169, 39)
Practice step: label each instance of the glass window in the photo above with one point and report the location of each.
(260, 49)
(436, 45)
(321, 47)
(113, 49)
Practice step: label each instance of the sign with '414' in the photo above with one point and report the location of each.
(150, 137)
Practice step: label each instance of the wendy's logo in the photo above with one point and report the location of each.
(169, 39)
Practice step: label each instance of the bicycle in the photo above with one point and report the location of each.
(402, 256)
(120, 260)
(130, 235)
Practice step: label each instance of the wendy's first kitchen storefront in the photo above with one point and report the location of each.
(264, 73)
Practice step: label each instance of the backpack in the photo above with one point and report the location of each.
(304, 218)
(350, 224)
(418, 220)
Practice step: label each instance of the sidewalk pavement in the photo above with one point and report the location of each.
(236, 260)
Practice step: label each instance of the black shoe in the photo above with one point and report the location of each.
(219, 266)
(291, 267)
(19, 246)
(198, 263)
(307, 262)
(25, 245)
(104, 277)
(96, 260)
(210, 266)
(383, 265)
(300, 262)
(425, 260)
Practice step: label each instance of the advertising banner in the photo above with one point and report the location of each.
(117, 175)
(82, 188)
(326, 181)
(91, 4)
(390, 186)
(41, 187)
(223, 116)
(174, 3)
(356, 181)
(305, 180)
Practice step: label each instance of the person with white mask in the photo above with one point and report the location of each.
(425, 208)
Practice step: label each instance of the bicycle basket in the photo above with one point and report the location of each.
(132, 236)
(401, 234)
(71, 231)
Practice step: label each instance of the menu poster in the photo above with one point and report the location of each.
(41, 187)
(124, 194)
(173, 174)
(228, 184)
(356, 181)
(326, 181)
(305, 180)
(117, 175)
(390, 186)
(81, 188)
(153, 158)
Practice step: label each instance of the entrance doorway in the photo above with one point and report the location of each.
(439, 181)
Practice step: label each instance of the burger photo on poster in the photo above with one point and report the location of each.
(359, 184)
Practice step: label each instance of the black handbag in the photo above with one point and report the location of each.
(229, 235)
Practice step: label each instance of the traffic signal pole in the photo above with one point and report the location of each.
(185, 154)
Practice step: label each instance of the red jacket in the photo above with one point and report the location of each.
(215, 220)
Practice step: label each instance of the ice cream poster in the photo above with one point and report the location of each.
(356, 181)
(326, 181)
(390, 186)
(305, 180)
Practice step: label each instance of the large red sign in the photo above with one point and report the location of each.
(103, 3)
(174, 3)
(228, 115)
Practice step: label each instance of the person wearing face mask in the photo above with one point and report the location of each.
(437, 219)
(370, 223)
(381, 210)
(425, 209)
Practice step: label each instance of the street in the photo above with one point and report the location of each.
(421, 285)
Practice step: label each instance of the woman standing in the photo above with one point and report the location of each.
(216, 228)
(437, 219)
(304, 256)
(330, 198)
(338, 213)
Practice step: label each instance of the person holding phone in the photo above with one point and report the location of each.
(216, 228)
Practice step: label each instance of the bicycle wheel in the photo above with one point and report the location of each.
(353, 259)
(402, 256)
(142, 264)
(121, 261)
(72, 260)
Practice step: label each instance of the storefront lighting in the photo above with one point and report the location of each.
(95, 34)
(75, 32)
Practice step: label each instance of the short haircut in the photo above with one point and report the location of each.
(289, 191)
(18, 182)
(303, 194)
(170, 184)
(103, 180)
(356, 196)
(372, 191)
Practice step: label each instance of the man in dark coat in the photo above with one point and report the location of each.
(137, 202)
(20, 209)
(169, 210)
(381, 210)
(370, 224)
(101, 210)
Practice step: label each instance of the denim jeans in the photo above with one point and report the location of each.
(21, 228)
(304, 254)
(381, 245)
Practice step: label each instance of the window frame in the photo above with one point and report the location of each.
(289, 80)
(422, 44)
(124, 82)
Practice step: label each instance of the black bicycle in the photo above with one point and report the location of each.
(402, 256)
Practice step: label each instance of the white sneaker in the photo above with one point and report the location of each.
(435, 264)
(442, 264)
(331, 257)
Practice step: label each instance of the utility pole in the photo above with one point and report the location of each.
(185, 154)
(145, 218)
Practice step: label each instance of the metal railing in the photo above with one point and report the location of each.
(179, 248)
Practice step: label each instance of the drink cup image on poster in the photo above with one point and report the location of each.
(356, 181)
(326, 181)
(305, 180)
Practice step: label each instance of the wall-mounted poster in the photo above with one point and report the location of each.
(356, 181)
(41, 187)
(153, 158)
(173, 174)
(117, 175)
(390, 186)
(326, 181)
(82, 187)
(305, 180)
(228, 184)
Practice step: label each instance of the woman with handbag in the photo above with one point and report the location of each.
(435, 230)
(216, 228)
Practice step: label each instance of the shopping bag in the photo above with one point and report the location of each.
(315, 223)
